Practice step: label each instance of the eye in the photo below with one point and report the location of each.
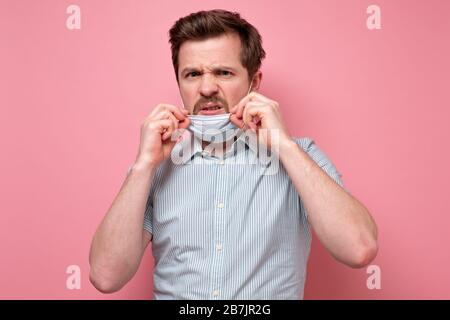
(224, 73)
(192, 74)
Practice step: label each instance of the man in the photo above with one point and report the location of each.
(221, 228)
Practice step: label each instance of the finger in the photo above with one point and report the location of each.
(252, 114)
(156, 110)
(242, 102)
(238, 122)
(184, 124)
(241, 108)
(162, 114)
(237, 109)
(169, 129)
(252, 96)
(177, 124)
(166, 114)
(174, 120)
(162, 125)
(173, 128)
(178, 112)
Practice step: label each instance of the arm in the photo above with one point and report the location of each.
(342, 224)
(340, 221)
(120, 240)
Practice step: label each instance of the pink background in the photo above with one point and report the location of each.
(72, 102)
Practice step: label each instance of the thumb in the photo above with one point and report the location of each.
(184, 124)
(238, 122)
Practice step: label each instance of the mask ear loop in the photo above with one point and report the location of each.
(249, 89)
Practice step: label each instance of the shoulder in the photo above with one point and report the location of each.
(319, 156)
(310, 146)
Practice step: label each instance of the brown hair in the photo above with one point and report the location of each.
(207, 24)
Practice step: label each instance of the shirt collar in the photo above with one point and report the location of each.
(196, 145)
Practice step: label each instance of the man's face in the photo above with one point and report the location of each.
(211, 77)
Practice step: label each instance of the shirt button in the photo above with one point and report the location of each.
(220, 205)
(221, 162)
(219, 247)
(215, 293)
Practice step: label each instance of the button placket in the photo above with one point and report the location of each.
(218, 235)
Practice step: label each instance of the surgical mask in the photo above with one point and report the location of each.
(215, 128)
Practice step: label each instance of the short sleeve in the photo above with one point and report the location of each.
(321, 159)
(148, 215)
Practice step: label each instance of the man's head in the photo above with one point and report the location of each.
(216, 56)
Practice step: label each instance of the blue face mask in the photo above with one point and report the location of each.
(215, 128)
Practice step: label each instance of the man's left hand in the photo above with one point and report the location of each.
(257, 112)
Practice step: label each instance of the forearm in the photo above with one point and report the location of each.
(116, 248)
(341, 222)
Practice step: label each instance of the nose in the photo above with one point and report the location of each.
(208, 86)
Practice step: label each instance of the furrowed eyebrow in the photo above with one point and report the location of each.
(187, 70)
(217, 68)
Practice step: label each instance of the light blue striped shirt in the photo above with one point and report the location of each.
(223, 230)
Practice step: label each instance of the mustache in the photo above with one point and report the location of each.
(214, 99)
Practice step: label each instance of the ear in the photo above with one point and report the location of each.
(256, 82)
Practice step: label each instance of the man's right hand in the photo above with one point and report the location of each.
(156, 132)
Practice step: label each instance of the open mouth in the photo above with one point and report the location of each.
(212, 108)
